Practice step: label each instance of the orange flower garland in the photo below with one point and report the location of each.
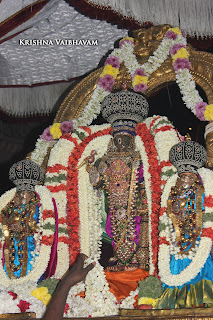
(154, 170)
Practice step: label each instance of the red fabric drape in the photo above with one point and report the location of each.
(20, 17)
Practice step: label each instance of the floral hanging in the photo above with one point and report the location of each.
(173, 44)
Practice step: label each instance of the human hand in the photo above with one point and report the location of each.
(78, 273)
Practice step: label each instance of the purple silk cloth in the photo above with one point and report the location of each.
(140, 173)
(109, 228)
(50, 271)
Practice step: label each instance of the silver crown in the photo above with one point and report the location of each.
(188, 156)
(26, 174)
(124, 108)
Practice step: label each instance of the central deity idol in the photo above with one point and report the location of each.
(119, 173)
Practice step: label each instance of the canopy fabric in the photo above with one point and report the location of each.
(194, 17)
(39, 54)
(33, 50)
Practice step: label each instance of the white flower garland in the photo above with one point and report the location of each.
(90, 213)
(203, 249)
(41, 260)
(154, 61)
(126, 54)
(40, 150)
(188, 90)
(87, 210)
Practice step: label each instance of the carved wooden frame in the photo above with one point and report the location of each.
(146, 42)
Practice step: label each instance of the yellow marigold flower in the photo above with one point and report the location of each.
(42, 294)
(46, 299)
(175, 30)
(182, 53)
(128, 38)
(38, 292)
(139, 79)
(146, 300)
(55, 130)
(108, 69)
(208, 113)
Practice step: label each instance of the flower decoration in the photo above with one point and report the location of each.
(23, 306)
(106, 82)
(181, 64)
(109, 73)
(55, 131)
(174, 44)
(46, 135)
(174, 49)
(139, 80)
(13, 294)
(171, 35)
(200, 109)
(113, 61)
(126, 40)
(208, 113)
(42, 294)
(83, 206)
(66, 126)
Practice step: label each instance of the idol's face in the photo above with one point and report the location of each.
(122, 141)
(186, 179)
(22, 197)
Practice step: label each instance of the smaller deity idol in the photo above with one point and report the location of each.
(120, 175)
(185, 262)
(209, 144)
(19, 219)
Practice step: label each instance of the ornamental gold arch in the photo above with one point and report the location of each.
(146, 42)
